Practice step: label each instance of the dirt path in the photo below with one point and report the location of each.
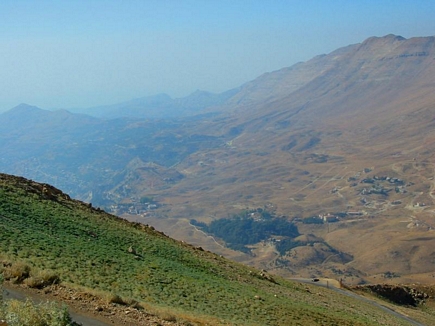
(10, 293)
(85, 308)
(206, 235)
(314, 181)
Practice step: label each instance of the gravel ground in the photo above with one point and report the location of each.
(84, 308)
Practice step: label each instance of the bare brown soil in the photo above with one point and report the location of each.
(87, 309)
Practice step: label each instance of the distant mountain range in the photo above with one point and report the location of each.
(348, 134)
(161, 106)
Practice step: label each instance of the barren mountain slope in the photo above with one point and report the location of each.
(362, 107)
(369, 114)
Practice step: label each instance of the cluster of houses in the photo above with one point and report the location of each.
(420, 204)
(378, 187)
(142, 209)
(375, 190)
(333, 217)
(375, 178)
(328, 218)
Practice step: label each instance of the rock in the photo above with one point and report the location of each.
(402, 295)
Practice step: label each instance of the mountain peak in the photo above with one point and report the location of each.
(394, 46)
(387, 40)
(393, 37)
(23, 110)
(23, 107)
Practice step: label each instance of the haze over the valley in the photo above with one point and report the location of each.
(293, 137)
(81, 54)
(342, 139)
(218, 162)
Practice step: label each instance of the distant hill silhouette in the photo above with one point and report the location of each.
(161, 106)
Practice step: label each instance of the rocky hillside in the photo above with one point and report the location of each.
(48, 238)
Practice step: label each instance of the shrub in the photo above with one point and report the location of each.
(18, 272)
(17, 313)
(132, 303)
(167, 316)
(42, 279)
(114, 298)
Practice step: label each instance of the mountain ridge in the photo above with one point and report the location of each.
(161, 106)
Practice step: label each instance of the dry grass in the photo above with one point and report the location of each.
(42, 279)
(18, 313)
(17, 272)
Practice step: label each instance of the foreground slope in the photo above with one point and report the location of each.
(44, 229)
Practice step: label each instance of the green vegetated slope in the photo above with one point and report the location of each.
(43, 228)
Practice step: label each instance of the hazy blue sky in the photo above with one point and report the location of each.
(65, 54)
